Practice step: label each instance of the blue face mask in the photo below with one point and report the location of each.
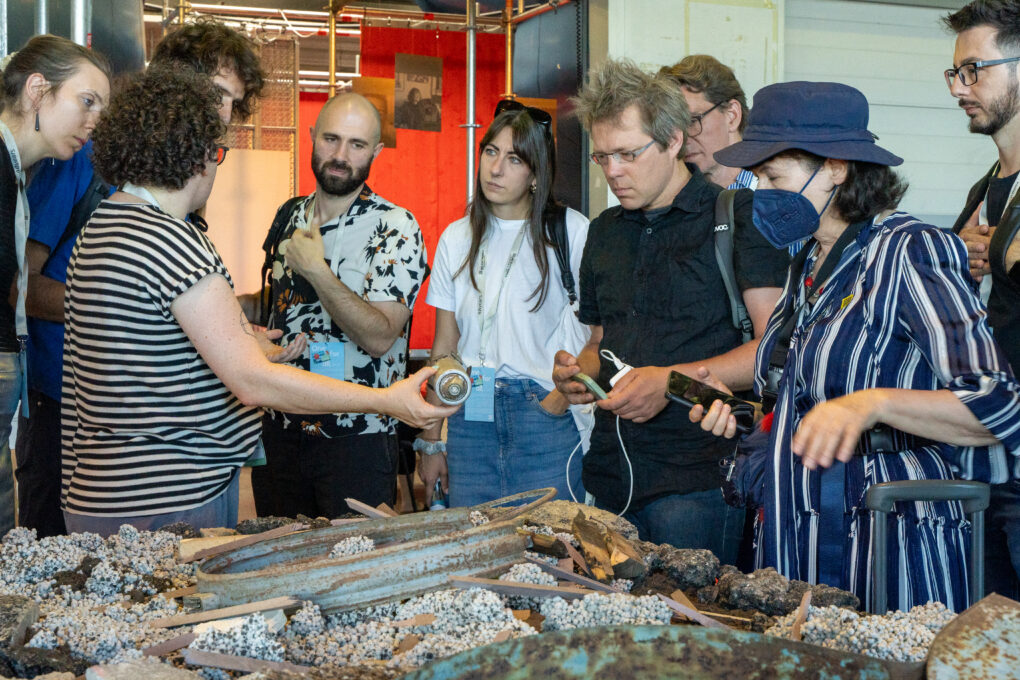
(784, 217)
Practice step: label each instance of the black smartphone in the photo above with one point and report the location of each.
(685, 390)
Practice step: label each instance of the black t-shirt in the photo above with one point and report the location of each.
(8, 254)
(652, 283)
(1004, 299)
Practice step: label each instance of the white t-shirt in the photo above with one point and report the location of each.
(522, 343)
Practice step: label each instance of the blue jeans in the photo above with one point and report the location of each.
(10, 394)
(700, 519)
(525, 448)
(219, 512)
(1002, 540)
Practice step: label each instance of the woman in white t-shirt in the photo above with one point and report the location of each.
(503, 252)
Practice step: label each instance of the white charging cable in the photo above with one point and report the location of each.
(622, 370)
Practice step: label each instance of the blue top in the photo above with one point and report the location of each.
(52, 194)
(899, 311)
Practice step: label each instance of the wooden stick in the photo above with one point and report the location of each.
(382, 507)
(171, 645)
(198, 657)
(245, 541)
(407, 644)
(692, 614)
(365, 509)
(801, 617)
(576, 556)
(224, 613)
(522, 589)
(571, 576)
(419, 620)
(180, 592)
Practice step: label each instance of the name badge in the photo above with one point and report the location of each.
(326, 358)
(481, 403)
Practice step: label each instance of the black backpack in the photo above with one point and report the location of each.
(561, 243)
(724, 259)
(80, 213)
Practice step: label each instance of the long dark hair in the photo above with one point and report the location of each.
(533, 144)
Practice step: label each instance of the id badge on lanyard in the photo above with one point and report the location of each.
(327, 358)
(481, 403)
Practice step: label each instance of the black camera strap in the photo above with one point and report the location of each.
(791, 313)
(556, 224)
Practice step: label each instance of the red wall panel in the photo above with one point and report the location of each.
(426, 172)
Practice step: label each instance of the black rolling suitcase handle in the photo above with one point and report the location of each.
(883, 498)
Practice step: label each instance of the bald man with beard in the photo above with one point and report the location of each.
(348, 269)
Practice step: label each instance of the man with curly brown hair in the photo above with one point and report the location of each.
(62, 196)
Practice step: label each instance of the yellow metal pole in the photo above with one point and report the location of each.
(508, 24)
(182, 11)
(332, 48)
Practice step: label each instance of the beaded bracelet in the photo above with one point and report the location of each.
(429, 448)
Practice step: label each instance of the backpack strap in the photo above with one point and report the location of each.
(80, 213)
(270, 246)
(558, 227)
(725, 224)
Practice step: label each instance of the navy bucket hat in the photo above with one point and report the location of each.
(827, 119)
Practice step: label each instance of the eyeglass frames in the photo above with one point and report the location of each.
(694, 129)
(538, 115)
(619, 156)
(969, 72)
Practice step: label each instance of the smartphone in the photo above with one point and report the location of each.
(685, 390)
(590, 384)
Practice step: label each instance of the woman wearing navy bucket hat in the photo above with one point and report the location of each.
(877, 364)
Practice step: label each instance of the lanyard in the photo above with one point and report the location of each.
(485, 321)
(334, 255)
(142, 193)
(21, 221)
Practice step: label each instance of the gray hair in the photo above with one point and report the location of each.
(618, 84)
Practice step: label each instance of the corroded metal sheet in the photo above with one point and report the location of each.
(982, 642)
(623, 652)
(414, 554)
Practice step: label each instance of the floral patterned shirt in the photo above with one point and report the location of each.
(381, 257)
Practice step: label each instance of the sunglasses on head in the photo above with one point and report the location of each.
(538, 115)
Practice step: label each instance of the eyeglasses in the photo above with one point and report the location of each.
(219, 154)
(619, 156)
(538, 115)
(969, 72)
(694, 129)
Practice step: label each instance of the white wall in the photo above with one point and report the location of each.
(895, 55)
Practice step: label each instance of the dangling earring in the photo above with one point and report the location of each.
(37, 120)
(533, 187)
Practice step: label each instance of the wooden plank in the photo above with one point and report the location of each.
(501, 636)
(593, 546)
(224, 613)
(626, 560)
(419, 620)
(522, 589)
(382, 507)
(576, 556)
(801, 617)
(171, 645)
(407, 644)
(693, 614)
(245, 541)
(198, 657)
(365, 509)
(571, 576)
(180, 592)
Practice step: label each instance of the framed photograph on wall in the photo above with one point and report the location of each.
(379, 91)
(418, 92)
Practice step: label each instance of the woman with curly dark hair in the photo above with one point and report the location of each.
(162, 372)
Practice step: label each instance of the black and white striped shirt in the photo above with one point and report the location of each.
(146, 426)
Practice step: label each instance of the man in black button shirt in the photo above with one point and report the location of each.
(653, 295)
(985, 79)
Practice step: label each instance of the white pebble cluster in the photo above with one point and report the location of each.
(477, 518)
(464, 619)
(308, 620)
(129, 560)
(896, 636)
(108, 635)
(624, 585)
(600, 609)
(251, 639)
(352, 545)
(528, 573)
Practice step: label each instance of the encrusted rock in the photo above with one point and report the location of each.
(182, 529)
(149, 669)
(763, 590)
(760, 622)
(29, 662)
(17, 613)
(708, 594)
(689, 568)
(314, 522)
(257, 525)
(821, 596)
(560, 514)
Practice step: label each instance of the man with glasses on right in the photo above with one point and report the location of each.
(984, 79)
(651, 291)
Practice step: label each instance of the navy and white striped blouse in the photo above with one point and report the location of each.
(899, 311)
